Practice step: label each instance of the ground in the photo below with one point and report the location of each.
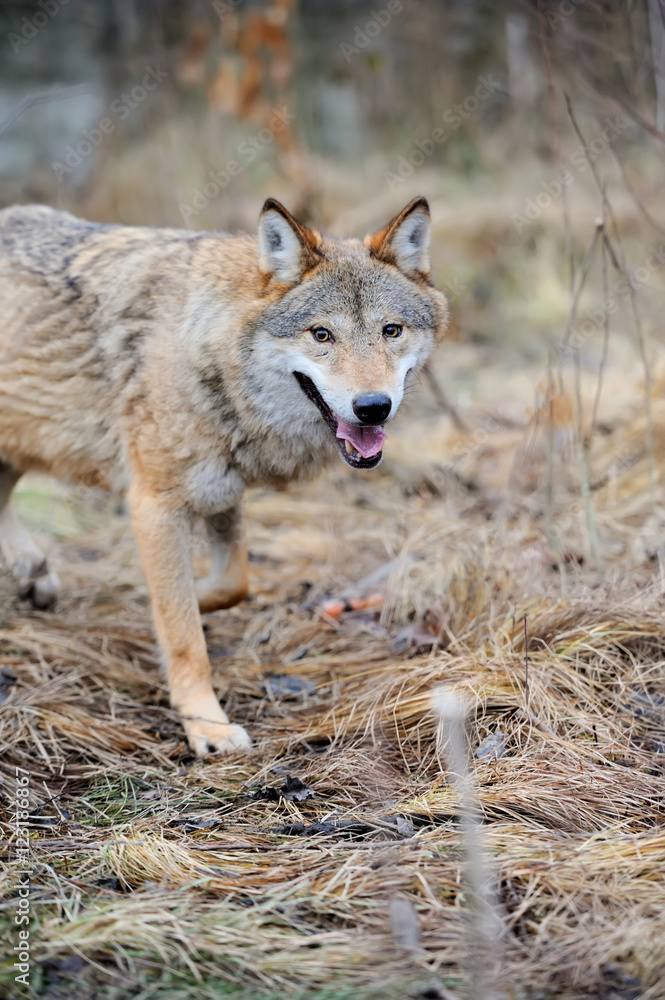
(153, 874)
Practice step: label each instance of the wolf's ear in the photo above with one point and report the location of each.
(404, 242)
(286, 248)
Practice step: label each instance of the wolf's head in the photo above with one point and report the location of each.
(347, 325)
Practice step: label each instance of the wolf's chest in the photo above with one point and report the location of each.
(213, 486)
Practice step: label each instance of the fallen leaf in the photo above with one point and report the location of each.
(188, 824)
(293, 789)
(287, 686)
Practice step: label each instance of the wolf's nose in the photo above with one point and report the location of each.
(372, 408)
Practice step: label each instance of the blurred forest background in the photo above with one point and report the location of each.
(344, 111)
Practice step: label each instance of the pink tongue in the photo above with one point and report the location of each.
(367, 440)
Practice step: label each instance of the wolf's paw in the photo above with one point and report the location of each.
(207, 738)
(210, 732)
(46, 590)
(34, 580)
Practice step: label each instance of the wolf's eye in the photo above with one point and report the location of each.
(321, 335)
(392, 330)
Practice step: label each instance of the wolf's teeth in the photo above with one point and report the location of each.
(350, 450)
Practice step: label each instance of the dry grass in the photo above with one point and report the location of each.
(158, 875)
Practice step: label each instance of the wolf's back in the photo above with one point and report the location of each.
(55, 394)
(37, 245)
(39, 238)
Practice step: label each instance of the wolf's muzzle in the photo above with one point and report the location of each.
(358, 445)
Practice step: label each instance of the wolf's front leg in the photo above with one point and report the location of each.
(163, 540)
(227, 583)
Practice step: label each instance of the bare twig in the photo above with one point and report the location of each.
(442, 400)
(646, 214)
(584, 471)
(577, 292)
(57, 93)
(549, 490)
(526, 666)
(601, 87)
(650, 445)
(606, 335)
(619, 262)
(568, 240)
(584, 468)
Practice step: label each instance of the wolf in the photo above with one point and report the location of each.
(180, 368)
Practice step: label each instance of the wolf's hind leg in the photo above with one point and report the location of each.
(227, 583)
(26, 562)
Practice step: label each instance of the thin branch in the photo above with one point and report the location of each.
(640, 205)
(568, 240)
(637, 324)
(650, 443)
(606, 337)
(584, 469)
(526, 666)
(584, 270)
(442, 400)
(549, 489)
(57, 93)
(599, 86)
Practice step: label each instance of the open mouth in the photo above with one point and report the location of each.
(359, 446)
